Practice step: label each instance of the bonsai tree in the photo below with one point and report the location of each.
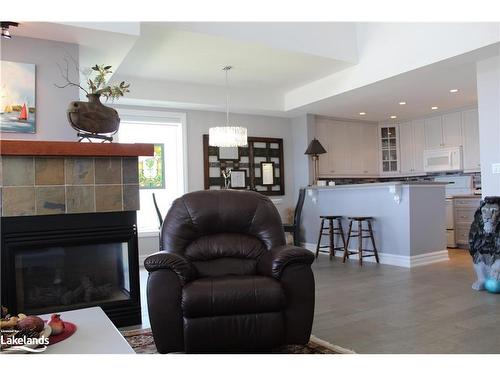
(96, 81)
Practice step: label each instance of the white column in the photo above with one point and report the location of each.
(488, 97)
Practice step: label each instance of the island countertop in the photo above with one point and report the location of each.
(408, 218)
(377, 184)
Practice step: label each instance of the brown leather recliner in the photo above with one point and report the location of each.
(225, 281)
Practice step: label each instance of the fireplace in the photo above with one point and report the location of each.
(71, 261)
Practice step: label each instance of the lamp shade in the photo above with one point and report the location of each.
(315, 148)
(227, 136)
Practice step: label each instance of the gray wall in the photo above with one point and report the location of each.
(303, 128)
(198, 123)
(488, 97)
(51, 102)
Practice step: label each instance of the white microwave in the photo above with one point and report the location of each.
(443, 159)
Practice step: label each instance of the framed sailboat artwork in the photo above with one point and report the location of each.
(17, 97)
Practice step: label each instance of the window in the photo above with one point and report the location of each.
(165, 173)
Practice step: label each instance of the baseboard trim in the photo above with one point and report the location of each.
(397, 260)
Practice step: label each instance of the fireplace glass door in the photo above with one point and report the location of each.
(58, 278)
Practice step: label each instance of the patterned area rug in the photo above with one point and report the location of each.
(141, 340)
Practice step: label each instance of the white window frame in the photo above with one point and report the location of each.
(129, 114)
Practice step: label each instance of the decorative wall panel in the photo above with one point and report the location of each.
(260, 154)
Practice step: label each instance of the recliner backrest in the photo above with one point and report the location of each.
(222, 231)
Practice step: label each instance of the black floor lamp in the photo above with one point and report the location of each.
(315, 149)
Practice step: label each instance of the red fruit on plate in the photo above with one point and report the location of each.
(56, 324)
(31, 322)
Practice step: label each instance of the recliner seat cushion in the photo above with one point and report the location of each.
(231, 295)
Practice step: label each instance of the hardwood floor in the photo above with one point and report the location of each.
(386, 309)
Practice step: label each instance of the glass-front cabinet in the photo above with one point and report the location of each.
(389, 149)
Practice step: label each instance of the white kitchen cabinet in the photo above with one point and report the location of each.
(370, 150)
(355, 153)
(406, 147)
(351, 148)
(452, 129)
(332, 137)
(443, 131)
(433, 132)
(470, 132)
(323, 135)
(389, 149)
(418, 145)
(411, 147)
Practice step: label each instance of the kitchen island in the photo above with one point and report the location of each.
(409, 218)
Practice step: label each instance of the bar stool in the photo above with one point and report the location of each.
(352, 233)
(332, 232)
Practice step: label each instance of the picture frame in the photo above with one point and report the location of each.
(267, 173)
(17, 97)
(229, 153)
(238, 179)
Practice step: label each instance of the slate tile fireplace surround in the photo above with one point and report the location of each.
(68, 227)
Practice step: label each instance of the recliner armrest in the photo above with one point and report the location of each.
(274, 262)
(177, 263)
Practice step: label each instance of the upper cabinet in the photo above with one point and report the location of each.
(433, 132)
(470, 134)
(389, 149)
(443, 131)
(351, 148)
(369, 143)
(332, 138)
(452, 129)
(412, 145)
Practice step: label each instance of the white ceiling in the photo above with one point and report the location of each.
(420, 89)
(164, 53)
(181, 64)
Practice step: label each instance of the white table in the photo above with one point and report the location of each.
(95, 334)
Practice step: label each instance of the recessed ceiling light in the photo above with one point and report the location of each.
(393, 116)
(453, 90)
(362, 113)
(434, 108)
(402, 103)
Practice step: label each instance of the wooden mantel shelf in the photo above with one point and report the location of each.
(52, 148)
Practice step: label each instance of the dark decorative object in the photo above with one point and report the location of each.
(229, 284)
(294, 227)
(92, 119)
(315, 149)
(226, 174)
(484, 241)
(259, 151)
